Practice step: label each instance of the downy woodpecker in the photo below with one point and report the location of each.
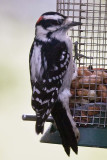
(51, 72)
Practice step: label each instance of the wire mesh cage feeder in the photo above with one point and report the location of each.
(89, 90)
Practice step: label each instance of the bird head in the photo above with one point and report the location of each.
(50, 22)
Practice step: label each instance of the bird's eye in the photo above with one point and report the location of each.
(60, 21)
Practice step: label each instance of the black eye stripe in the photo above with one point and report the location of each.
(50, 22)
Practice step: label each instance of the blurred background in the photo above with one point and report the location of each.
(17, 138)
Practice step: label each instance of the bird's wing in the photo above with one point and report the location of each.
(54, 63)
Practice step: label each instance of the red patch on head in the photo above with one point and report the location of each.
(39, 20)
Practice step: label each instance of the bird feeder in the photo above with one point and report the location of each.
(88, 103)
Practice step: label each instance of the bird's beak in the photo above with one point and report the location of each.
(68, 23)
(73, 23)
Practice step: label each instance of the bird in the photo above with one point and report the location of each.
(51, 71)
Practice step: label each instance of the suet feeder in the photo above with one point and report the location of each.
(89, 90)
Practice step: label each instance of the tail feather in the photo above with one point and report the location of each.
(39, 127)
(65, 128)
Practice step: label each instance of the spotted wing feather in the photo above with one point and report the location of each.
(45, 91)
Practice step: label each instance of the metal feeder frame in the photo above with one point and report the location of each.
(89, 41)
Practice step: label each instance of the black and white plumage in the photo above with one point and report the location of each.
(51, 71)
